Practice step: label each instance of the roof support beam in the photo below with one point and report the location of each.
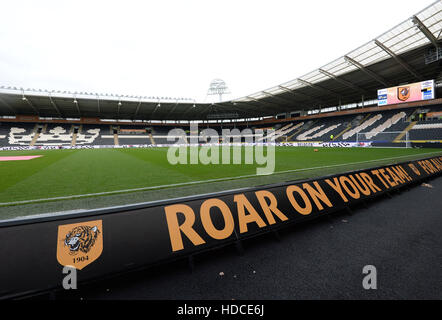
(314, 86)
(249, 111)
(155, 109)
(119, 107)
(98, 104)
(423, 28)
(3, 102)
(367, 71)
(233, 105)
(32, 106)
(137, 109)
(342, 81)
(267, 103)
(55, 106)
(191, 107)
(242, 108)
(243, 112)
(300, 94)
(277, 98)
(172, 110)
(398, 59)
(206, 112)
(263, 102)
(78, 106)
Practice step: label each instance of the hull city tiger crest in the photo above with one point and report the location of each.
(79, 244)
(403, 93)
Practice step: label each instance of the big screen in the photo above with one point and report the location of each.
(423, 90)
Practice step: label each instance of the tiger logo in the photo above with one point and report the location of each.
(81, 238)
(79, 244)
(403, 93)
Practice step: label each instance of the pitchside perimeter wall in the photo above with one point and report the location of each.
(103, 242)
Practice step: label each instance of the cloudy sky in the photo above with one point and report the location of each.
(175, 48)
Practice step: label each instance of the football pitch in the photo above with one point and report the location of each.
(105, 177)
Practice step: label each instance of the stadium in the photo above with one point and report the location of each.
(131, 188)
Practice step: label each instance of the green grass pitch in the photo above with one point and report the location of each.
(64, 173)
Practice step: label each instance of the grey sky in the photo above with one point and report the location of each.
(175, 48)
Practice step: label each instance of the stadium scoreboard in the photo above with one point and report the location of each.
(417, 91)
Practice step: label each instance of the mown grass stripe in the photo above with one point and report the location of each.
(203, 181)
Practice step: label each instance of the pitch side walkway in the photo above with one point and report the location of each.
(401, 237)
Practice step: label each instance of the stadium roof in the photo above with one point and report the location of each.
(409, 52)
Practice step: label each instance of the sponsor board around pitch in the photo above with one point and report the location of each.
(119, 239)
(337, 144)
(340, 144)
